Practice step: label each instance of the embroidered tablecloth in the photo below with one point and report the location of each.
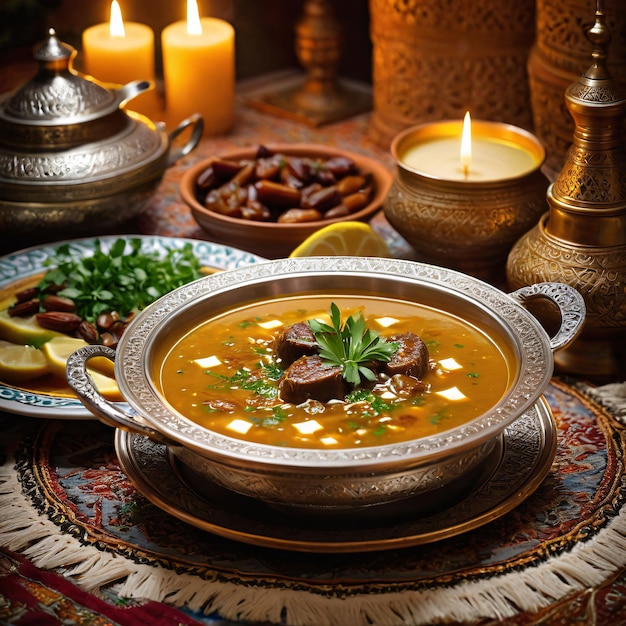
(559, 557)
(80, 545)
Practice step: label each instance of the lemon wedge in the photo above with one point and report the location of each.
(106, 386)
(343, 239)
(24, 330)
(58, 349)
(21, 363)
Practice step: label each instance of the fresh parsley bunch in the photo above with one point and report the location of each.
(351, 346)
(118, 280)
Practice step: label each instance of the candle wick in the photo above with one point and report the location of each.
(465, 171)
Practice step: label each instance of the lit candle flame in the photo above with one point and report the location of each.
(466, 145)
(194, 27)
(116, 25)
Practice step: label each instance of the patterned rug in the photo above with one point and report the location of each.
(71, 522)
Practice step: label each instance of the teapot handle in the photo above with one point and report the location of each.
(569, 302)
(197, 122)
(108, 412)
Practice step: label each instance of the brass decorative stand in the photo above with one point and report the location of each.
(582, 240)
(321, 98)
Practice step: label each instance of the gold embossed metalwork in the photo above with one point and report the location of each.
(436, 60)
(598, 271)
(471, 232)
(559, 56)
(465, 225)
(582, 240)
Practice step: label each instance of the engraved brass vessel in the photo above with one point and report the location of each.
(560, 54)
(581, 241)
(71, 157)
(467, 225)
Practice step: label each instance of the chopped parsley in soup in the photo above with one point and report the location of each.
(322, 371)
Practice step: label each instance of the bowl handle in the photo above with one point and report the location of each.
(197, 122)
(108, 412)
(569, 302)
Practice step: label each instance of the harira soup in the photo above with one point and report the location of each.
(331, 371)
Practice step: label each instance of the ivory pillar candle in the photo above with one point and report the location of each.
(199, 72)
(119, 53)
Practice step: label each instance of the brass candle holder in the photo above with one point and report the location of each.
(467, 223)
(581, 241)
(321, 97)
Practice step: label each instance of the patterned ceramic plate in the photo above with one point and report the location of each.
(20, 265)
(520, 461)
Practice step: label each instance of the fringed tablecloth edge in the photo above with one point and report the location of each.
(612, 397)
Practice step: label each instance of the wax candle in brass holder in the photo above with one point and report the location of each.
(321, 97)
(466, 214)
(581, 241)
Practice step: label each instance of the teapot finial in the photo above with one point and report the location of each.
(58, 94)
(599, 35)
(54, 51)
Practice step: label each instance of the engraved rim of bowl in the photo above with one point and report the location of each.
(535, 365)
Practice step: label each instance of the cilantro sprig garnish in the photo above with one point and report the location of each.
(118, 280)
(351, 345)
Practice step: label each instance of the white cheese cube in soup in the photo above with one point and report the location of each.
(453, 394)
(239, 426)
(270, 324)
(308, 427)
(208, 362)
(450, 365)
(386, 322)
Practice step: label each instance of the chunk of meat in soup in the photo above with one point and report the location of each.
(295, 341)
(411, 358)
(307, 378)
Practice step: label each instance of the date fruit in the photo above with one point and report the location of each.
(24, 308)
(284, 188)
(60, 321)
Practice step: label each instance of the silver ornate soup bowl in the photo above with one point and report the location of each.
(331, 480)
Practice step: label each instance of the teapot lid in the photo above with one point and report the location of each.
(57, 94)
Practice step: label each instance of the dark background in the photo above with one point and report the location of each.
(264, 29)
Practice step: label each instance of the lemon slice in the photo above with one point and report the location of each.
(58, 349)
(24, 330)
(343, 239)
(106, 386)
(21, 363)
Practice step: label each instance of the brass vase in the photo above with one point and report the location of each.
(581, 241)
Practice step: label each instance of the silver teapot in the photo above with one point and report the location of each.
(72, 157)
